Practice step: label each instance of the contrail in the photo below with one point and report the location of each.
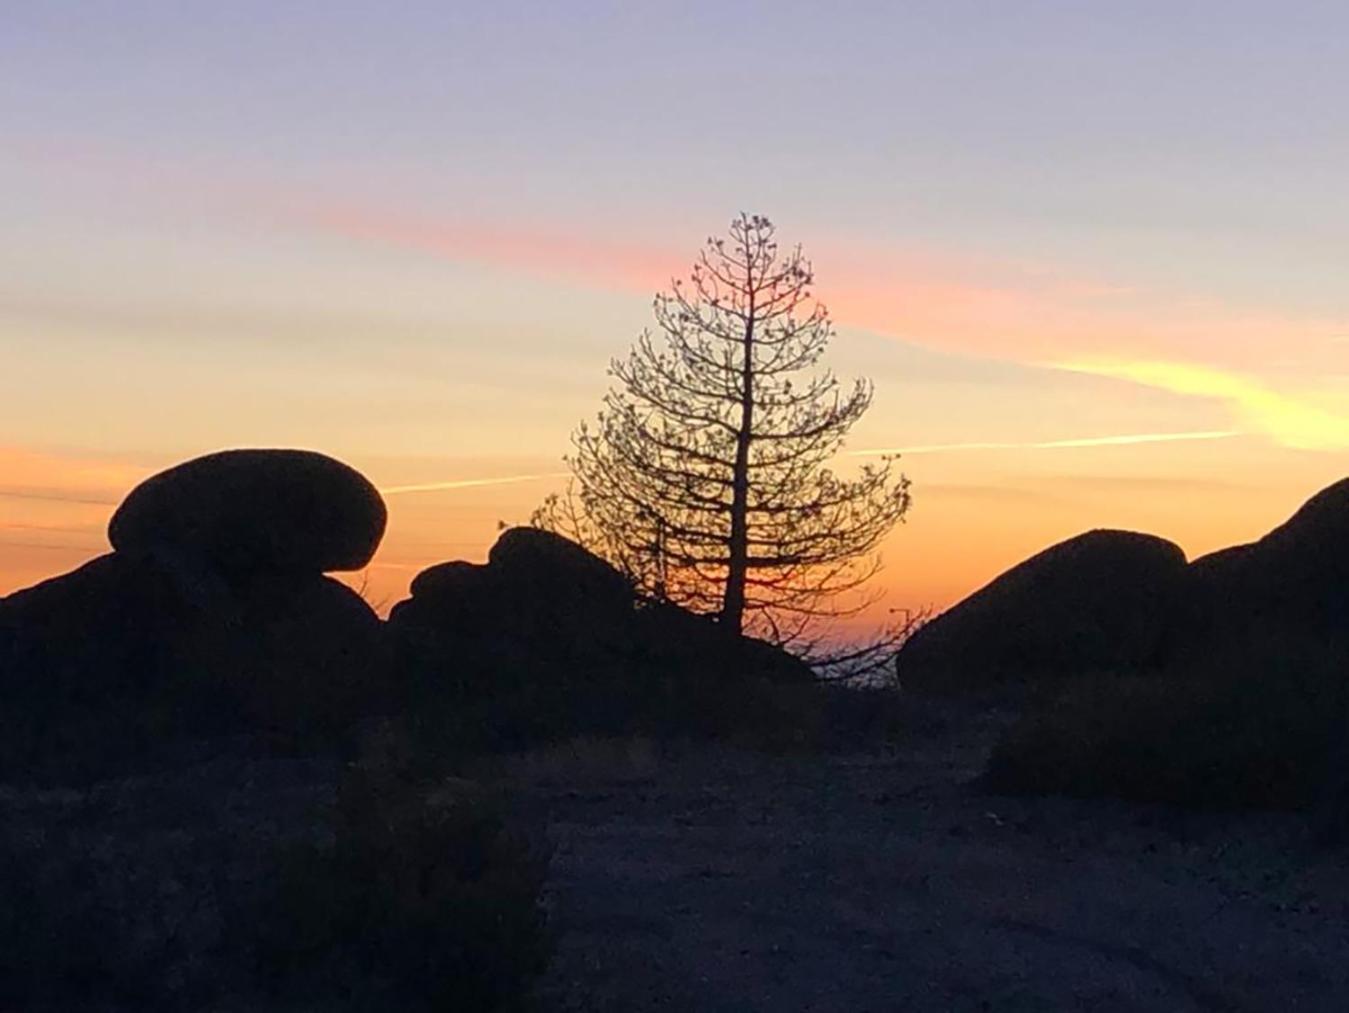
(471, 483)
(1089, 441)
(56, 497)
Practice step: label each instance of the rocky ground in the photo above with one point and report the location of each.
(712, 879)
(716, 880)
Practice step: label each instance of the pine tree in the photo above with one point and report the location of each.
(705, 475)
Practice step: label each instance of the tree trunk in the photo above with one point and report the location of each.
(737, 568)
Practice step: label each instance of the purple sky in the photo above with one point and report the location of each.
(413, 234)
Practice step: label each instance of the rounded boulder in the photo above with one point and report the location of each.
(1290, 589)
(255, 512)
(552, 569)
(1095, 603)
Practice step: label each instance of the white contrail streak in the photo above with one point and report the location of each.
(470, 483)
(1089, 441)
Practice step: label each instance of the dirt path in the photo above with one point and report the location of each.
(729, 881)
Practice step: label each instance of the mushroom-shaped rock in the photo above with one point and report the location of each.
(255, 512)
(1096, 602)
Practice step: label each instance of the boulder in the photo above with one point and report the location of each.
(455, 580)
(538, 591)
(308, 657)
(547, 566)
(113, 622)
(694, 646)
(102, 667)
(253, 512)
(549, 639)
(1099, 602)
(463, 599)
(87, 669)
(1289, 590)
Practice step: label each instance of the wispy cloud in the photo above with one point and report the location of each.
(56, 496)
(67, 477)
(470, 483)
(1291, 420)
(1124, 440)
(20, 543)
(964, 302)
(556, 251)
(972, 304)
(960, 301)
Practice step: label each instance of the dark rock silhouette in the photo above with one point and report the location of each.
(1098, 602)
(206, 620)
(1291, 585)
(672, 638)
(540, 601)
(248, 512)
(305, 654)
(110, 624)
(554, 638)
(537, 588)
(546, 565)
(1254, 707)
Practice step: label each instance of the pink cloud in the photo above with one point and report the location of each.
(549, 252)
(966, 304)
(962, 302)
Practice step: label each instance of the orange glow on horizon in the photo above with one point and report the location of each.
(974, 514)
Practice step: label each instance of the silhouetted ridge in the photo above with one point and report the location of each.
(1099, 601)
(255, 511)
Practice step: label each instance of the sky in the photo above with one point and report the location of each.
(1093, 256)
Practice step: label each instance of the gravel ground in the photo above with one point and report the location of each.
(715, 880)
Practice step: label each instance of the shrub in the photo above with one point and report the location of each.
(111, 897)
(238, 884)
(422, 900)
(75, 931)
(1254, 739)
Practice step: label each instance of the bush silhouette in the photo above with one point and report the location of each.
(1255, 733)
(423, 900)
(241, 884)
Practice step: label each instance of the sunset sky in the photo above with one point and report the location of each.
(1094, 256)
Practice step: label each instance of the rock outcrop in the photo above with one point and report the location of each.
(212, 616)
(555, 638)
(1099, 602)
(1245, 705)
(538, 593)
(1290, 588)
(251, 512)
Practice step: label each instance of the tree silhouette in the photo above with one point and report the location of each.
(704, 475)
